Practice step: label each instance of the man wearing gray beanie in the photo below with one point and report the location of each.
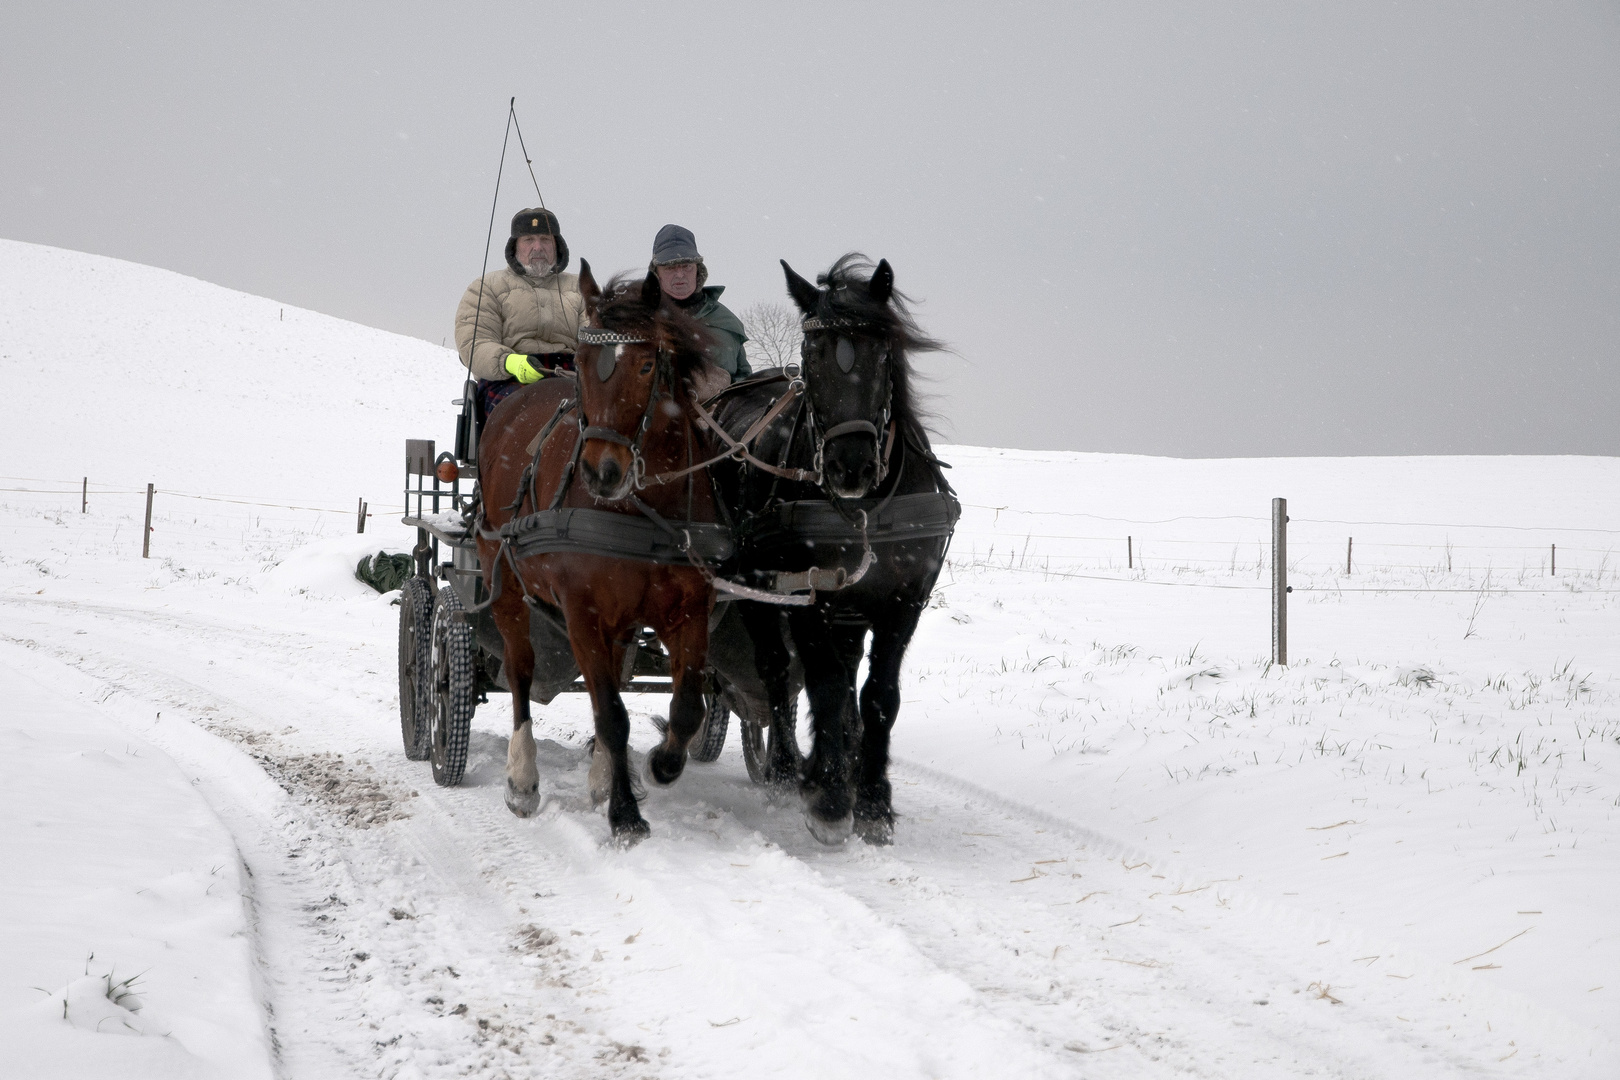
(681, 275)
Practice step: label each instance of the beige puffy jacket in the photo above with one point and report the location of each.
(520, 314)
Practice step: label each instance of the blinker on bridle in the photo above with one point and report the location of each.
(607, 358)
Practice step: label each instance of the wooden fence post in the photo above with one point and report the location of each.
(1279, 581)
(1349, 546)
(84, 497)
(1555, 560)
(146, 537)
(361, 526)
(1130, 561)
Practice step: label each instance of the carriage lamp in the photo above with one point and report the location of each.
(447, 471)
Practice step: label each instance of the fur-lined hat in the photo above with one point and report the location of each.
(536, 221)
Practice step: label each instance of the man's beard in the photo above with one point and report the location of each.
(537, 268)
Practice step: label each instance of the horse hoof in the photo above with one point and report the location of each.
(522, 803)
(879, 832)
(630, 834)
(781, 792)
(665, 766)
(831, 833)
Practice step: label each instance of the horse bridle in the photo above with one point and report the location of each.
(796, 374)
(606, 361)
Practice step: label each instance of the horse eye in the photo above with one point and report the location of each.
(645, 368)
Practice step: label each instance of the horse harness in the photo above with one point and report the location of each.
(653, 538)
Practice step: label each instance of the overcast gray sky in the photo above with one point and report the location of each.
(1192, 229)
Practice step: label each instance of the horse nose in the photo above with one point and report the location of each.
(855, 478)
(608, 473)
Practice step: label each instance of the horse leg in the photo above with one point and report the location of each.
(598, 657)
(826, 788)
(686, 639)
(771, 661)
(880, 702)
(522, 778)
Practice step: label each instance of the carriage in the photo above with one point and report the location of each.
(450, 652)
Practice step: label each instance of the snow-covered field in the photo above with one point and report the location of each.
(1129, 847)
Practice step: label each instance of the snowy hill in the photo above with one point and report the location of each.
(129, 375)
(1122, 829)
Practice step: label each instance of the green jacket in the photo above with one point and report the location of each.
(729, 335)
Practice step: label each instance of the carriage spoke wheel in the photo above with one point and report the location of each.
(757, 739)
(711, 737)
(453, 689)
(415, 634)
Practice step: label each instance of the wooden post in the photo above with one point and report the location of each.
(361, 526)
(1130, 561)
(84, 497)
(1349, 546)
(146, 537)
(1279, 581)
(1555, 560)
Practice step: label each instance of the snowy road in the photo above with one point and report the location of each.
(406, 930)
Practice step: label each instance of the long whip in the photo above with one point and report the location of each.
(511, 115)
(556, 282)
(489, 236)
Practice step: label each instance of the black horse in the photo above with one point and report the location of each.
(844, 478)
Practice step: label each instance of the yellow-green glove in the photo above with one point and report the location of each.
(519, 367)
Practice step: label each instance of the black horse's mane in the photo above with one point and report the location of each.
(624, 309)
(846, 294)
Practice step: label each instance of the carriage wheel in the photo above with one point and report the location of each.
(415, 635)
(756, 742)
(711, 737)
(453, 691)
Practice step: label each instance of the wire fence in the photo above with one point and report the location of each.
(1170, 552)
(1325, 555)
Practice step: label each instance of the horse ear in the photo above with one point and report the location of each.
(588, 290)
(882, 286)
(804, 294)
(652, 294)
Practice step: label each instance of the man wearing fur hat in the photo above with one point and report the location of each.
(517, 324)
(681, 274)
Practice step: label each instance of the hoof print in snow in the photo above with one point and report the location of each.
(533, 938)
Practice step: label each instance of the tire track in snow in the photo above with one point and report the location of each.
(359, 984)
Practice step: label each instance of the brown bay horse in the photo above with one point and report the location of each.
(616, 439)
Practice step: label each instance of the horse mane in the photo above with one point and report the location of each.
(622, 309)
(846, 294)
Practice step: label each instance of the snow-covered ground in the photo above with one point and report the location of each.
(1129, 847)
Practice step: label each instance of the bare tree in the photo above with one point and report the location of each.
(773, 334)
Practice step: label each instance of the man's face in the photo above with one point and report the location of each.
(539, 252)
(678, 280)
